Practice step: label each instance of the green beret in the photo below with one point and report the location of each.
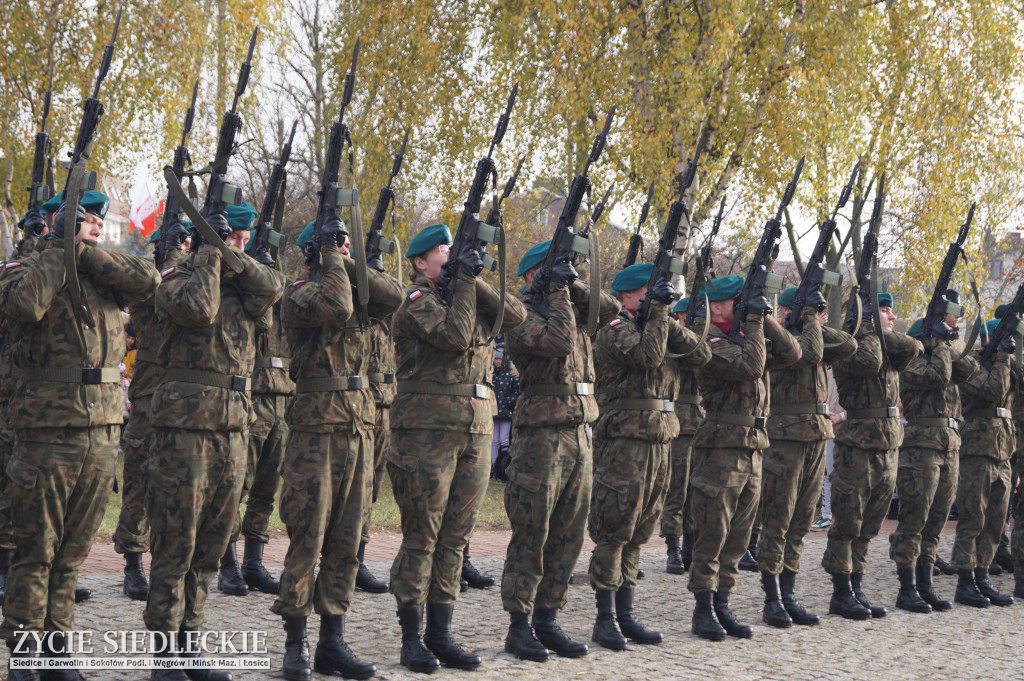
(533, 257)
(988, 328)
(53, 203)
(307, 234)
(92, 201)
(155, 236)
(916, 328)
(241, 216)
(681, 305)
(884, 300)
(788, 297)
(631, 278)
(428, 238)
(726, 288)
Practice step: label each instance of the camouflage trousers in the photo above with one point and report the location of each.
(381, 440)
(1017, 537)
(674, 519)
(982, 499)
(60, 482)
(6, 512)
(439, 478)
(725, 486)
(630, 481)
(326, 486)
(793, 473)
(547, 499)
(862, 484)
(267, 438)
(926, 481)
(195, 481)
(132, 533)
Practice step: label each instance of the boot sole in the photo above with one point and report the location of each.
(610, 645)
(971, 605)
(296, 676)
(676, 570)
(710, 637)
(136, 596)
(529, 657)
(858, 616)
(383, 589)
(333, 670)
(430, 669)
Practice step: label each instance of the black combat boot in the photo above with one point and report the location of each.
(229, 577)
(732, 626)
(1004, 560)
(944, 567)
(5, 567)
(924, 588)
(989, 591)
(438, 637)
(606, 628)
(995, 569)
(686, 552)
(674, 564)
(333, 656)
(774, 613)
(521, 640)
(630, 627)
(365, 581)
(28, 651)
(704, 622)
(162, 650)
(82, 594)
(55, 646)
(296, 650)
(415, 656)
(748, 562)
(473, 577)
(877, 611)
(843, 602)
(908, 597)
(967, 591)
(136, 587)
(254, 572)
(552, 636)
(796, 611)
(1018, 579)
(191, 649)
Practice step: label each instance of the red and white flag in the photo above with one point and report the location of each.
(145, 208)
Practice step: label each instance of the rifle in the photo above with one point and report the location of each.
(866, 290)
(332, 197)
(472, 232)
(760, 281)
(219, 194)
(376, 244)
(636, 242)
(705, 273)
(938, 306)
(172, 211)
(815, 276)
(265, 235)
(565, 243)
(1010, 324)
(39, 190)
(665, 263)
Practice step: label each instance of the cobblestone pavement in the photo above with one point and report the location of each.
(962, 644)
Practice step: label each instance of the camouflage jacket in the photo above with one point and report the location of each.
(448, 345)
(33, 293)
(1017, 388)
(929, 390)
(804, 384)
(327, 340)
(735, 383)
(211, 318)
(556, 352)
(867, 380)
(984, 434)
(151, 339)
(634, 365)
(382, 360)
(270, 375)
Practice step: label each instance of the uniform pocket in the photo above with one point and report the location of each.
(22, 474)
(168, 484)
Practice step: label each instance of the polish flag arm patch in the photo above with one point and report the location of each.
(415, 294)
(615, 322)
(167, 271)
(8, 265)
(300, 281)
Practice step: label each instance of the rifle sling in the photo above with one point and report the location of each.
(212, 238)
(972, 335)
(359, 255)
(72, 197)
(594, 308)
(499, 315)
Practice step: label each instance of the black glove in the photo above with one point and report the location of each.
(662, 291)
(218, 221)
(263, 257)
(375, 263)
(943, 331)
(470, 262)
(563, 274)
(312, 251)
(540, 281)
(760, 305)
(57, 232)
(176, 234)
(816, 300)
(1008, 344)
(33, 223)
(333, 232)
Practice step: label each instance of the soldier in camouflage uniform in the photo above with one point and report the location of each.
(440, 454)
(66, 412)
(794, 465)
(675, 521)
(329, 460)
(636, 383)
(131, 537)
(548, 492)
(725, 477)
(864, 474)
(1016, 546)
(929, 459)
(983, 493)
(201, 412)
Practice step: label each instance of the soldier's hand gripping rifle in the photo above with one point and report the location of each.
(265, 235)
(332, 197)
(566, 243)
(376, 244)
(172, 234)
(666, 264)
(703, 276)
(761, 282)
(636, 242)
(934, 324)
(815, 276)
(472, 233)
(865, 299)
(39, 191)
(1009, 326)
